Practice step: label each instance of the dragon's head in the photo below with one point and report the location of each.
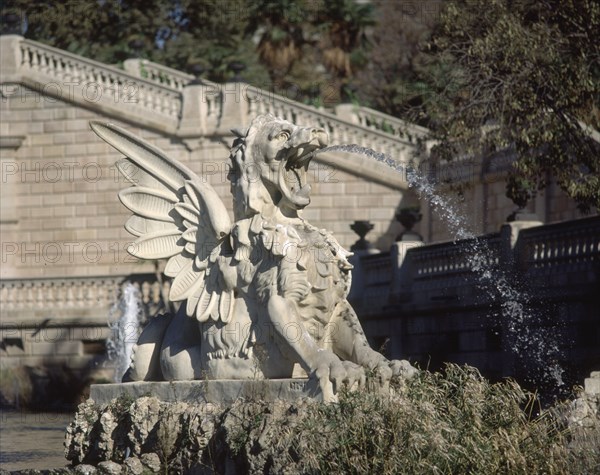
(269, 164)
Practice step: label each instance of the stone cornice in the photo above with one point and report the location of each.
(12, 142)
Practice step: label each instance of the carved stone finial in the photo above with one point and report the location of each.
(362, 228)
(197, 69)
(236, 67)
(10, 24)
(408, 217)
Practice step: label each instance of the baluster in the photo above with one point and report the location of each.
(80, 294)
(115, 292)
(35, 59)
(66, 70)
(9, 295)
(155, 292)
(24, 57)
(44, 63)
(146, 289)
(29, 297)
(70, 297)
(91, 293)
(15, 296)
(40, 297)
(59, 67)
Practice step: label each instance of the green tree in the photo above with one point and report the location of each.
(102, 30)
(524, 75)
(298, 44)
(391, 80)
(177, 33)
(311, 45)
(214, 34)
(343, 42)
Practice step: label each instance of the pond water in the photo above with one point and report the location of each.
(32, 440)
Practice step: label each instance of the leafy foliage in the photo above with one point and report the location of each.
(391, 80)
(102, 30)
(522, 74)
(310, 46)
(451, 422)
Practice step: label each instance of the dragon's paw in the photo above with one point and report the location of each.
(402, 369)
(334, 374)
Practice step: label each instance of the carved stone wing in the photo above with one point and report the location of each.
(178, 217)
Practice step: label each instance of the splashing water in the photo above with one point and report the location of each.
(124, 321)
(527, 338)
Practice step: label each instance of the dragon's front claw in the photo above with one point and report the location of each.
(334, 374)
(402, 369)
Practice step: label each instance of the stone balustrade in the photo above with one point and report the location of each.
(263, 101)
(68, 321)
(372, 119)
(340, 130)
(169, 101)
(431, 274)
(157, 73)
(84, 80)
(153, 94)
(19, 296)
(559, 247)
(60, 293)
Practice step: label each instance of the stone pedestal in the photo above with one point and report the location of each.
(223, 392)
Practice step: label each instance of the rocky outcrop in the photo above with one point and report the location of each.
(146, 434)
(142, 434)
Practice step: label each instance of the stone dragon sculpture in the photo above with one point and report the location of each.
(257, 295)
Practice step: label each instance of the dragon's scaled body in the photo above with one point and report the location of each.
(258, 295)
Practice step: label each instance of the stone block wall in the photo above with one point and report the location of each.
(60, 186)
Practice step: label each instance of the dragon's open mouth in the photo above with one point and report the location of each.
(293, 173)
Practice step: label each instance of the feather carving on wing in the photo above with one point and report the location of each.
(178, 217)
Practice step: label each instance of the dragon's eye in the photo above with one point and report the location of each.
(283, 135)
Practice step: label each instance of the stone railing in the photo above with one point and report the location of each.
(157, 73)
(548, 256)
(100, 82)
(90, 293)
(61, 293)
(454, 258)
(57, 73)
(376, 120)
(561, 248)
(362, 126)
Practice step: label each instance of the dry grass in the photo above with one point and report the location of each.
(15, 387)
(451, 423)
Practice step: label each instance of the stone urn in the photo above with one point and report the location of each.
(362, 228)
(408, 217)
